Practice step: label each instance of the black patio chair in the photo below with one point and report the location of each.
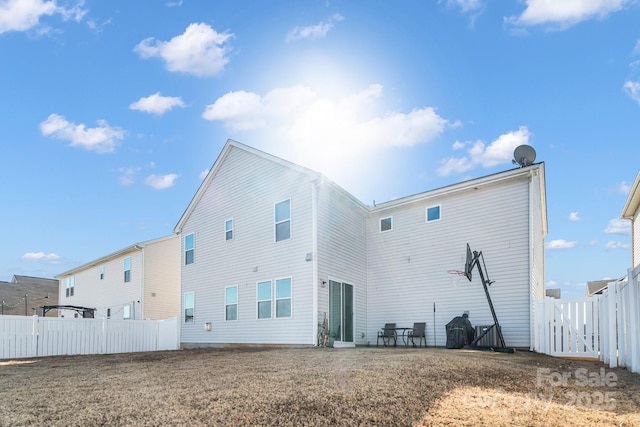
(387, 334)
(419, 332)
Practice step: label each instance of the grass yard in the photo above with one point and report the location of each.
(314, 386)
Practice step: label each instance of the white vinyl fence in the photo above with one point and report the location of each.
(604, 326)
(22, 336)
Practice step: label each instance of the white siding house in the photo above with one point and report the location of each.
(269, 248)
(631, 211)
(141, 281)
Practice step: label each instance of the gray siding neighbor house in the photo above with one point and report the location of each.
(269, 248)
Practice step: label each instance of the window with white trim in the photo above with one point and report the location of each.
(283, 297)
(433, 213)
(71, 283)
(126, 312)
(263, 292)
(231, 303)
(102, 272)
(283, 220)
(386, 224)
(127, 269)
(228, 229)
(189, 248)
(189, 306)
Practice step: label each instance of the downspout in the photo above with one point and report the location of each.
(142, 279)
(314, 258)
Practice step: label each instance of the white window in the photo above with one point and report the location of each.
(189, 306)
(386, 224)
(71, 283)
(127, 269)
(264, 300)
(189, 248)
(228, 229)
(126, 312)
(102, 272)
(283, 297)
(283, 220)
(231, 303)
(433, 213)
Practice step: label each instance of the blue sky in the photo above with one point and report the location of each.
(111, 112)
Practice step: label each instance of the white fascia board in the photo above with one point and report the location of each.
(463, 186)
(633, 200)
(102, 260)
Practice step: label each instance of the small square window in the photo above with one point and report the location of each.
(433, 213)
(386, 224)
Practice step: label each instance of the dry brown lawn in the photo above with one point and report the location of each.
(314, 386)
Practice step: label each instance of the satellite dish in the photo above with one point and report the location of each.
(524, 155)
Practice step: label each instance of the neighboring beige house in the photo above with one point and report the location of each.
(141, 281)
(631, 211)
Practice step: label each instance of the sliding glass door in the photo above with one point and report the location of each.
(341, 311)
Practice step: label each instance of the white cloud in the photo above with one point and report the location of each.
(633, 90)
(574, 216)
(617, 245)
(343, 136)
(22, 15)
(622, 187)
(480, 154)
(101, 139)
(156, 104)
(317, 31)
(562, 14)
(161, 182)
(200, 50)
(619, 226)
(128, 175)
(239, 110)
(350, 123)
(50, 258)
(466, 5)
(204, 173)
(559, 244)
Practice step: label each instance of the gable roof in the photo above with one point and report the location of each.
(135, 247)
(313, 175)
(228, 147)
(633, 200)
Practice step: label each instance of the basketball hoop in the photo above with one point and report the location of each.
(456, 276)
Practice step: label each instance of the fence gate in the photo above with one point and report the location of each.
(568, 327)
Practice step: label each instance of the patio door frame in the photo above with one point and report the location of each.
(347, 308)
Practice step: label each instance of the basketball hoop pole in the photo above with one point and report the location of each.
(485, 284)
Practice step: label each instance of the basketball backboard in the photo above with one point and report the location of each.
(468, 264)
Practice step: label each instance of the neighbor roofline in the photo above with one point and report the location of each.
(129, 249)
(462, 186)
(633, 200)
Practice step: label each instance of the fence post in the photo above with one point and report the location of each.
(613, 320)
(634, 319)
